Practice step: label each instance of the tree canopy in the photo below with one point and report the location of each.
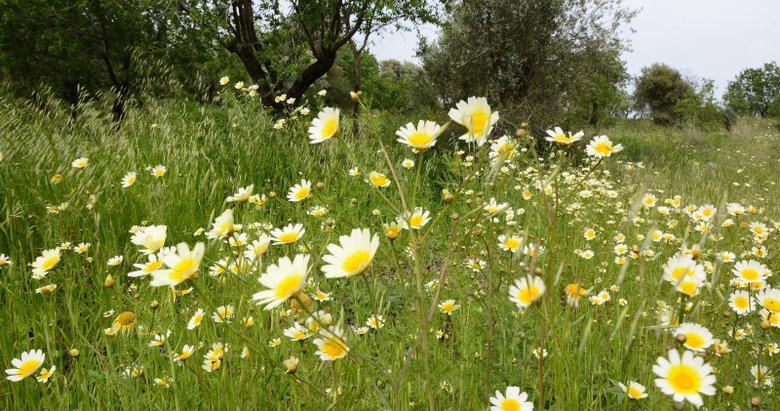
(537, 57)
(755, 91)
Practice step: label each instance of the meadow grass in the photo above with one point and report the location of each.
(420, 357)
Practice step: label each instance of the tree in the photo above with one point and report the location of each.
(755, 91)
(534, 57)
(96, 46)
(660, 90)
(285, 50)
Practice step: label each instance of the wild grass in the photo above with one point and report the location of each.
(421, 358)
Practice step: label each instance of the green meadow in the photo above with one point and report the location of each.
(537, 265)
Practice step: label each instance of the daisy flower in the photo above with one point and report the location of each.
(697, 338)
(741, 303)
(680, 266)
(558, 136)
(573, 294)
(502, 150)
(242, 195)
(80, 163)
(448, 307)
(150, 267)
(513, 400)
(474, 114)
(751, 271)
(129, 179)
(186, 352)
(125, 321)
(407, 163)
(258, 247)
(196, 319)
(601, 147)
(684, 378)
(526, 290)
(375, 321)
(331, 346)
(352, 256)
(634, 390)
(45, 263)
(26, 365)
(5, 260)
(284, 280)
(378, 180)
(45, 374)
(158, 170)
(296, 333)
(152, 238)
(287, 235)
(299, 192)
(493, 206)
(511, 243)
(223, 314)
(325, 126)
(415, 220)
(769, 299)
(419, 138)
(181, 265)
(115, 260)
(223, 226)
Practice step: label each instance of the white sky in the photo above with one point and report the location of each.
(712, 39)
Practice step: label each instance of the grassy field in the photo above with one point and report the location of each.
(578, 220)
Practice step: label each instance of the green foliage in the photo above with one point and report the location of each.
(755, 91)
(388, 85)
(538, 59)
(663, 94)
(99, 46)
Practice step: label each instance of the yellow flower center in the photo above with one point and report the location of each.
(742, 302)
(302, 193)
(153, 266)
(477, 122)
(378, 180)
(750, 274)
(288, 237)
(689, 288)
(330, 127)
(603, 148)
(288, 287)
(680, 272)
(510, 404)
(528, 295)
(634, 392)
(357, 262)
(562, 138)
(183, 270)
(512, 243)
(772, 304)
(50, 262)
(420, 140)
(29, 367)
(298, 335)
(416, 221)
(684, 379)
(694, 341)
(333, 349)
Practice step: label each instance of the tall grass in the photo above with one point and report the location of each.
(421, 358)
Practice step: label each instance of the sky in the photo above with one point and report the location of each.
(713, 39)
